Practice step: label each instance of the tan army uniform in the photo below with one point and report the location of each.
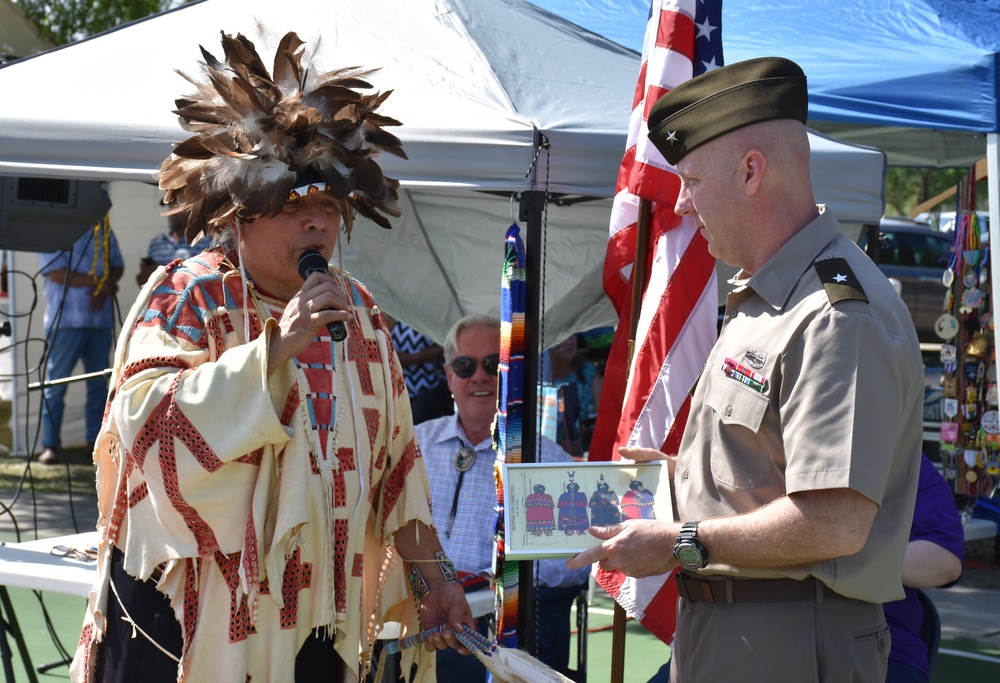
(810, 387)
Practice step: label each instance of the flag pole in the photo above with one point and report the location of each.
(638, 287)
(639, 271)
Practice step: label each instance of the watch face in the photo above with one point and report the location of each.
(689, 556)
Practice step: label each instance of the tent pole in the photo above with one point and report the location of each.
(532, 203)
(993, 183)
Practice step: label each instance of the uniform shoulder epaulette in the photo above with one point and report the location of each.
(839, 280)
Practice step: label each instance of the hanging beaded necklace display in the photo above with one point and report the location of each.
(970, 429)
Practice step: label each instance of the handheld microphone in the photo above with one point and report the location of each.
(311, 261)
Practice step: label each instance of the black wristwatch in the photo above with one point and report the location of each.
(687, 550)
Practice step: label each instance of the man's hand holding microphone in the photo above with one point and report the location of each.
(320, 303)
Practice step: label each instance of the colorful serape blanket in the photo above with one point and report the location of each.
(509, 419)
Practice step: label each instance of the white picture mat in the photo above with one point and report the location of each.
(533, 530)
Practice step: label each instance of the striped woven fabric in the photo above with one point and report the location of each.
(509, 417)
(418, 377)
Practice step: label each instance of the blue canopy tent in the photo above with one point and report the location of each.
(878, 69)
(916, 78)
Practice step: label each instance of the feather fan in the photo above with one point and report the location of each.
(515, 666)
(254, 132)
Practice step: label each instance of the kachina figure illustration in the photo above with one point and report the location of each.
(637, 503)
(573, 509)
(604, 505)
(539, 512)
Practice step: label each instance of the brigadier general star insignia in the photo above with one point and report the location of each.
(839, 280)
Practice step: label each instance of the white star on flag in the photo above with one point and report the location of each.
(705, 29)
(839, 278)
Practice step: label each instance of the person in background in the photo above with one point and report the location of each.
(567, 366)
(933, 559)
(79, 290)
(168, 246)
(264, 509)
(423, 370)
(795, 479)
(459, 456)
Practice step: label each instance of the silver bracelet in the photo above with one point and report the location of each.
(418, 584)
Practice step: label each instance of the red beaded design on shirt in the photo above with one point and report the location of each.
(397, 478)
(239, 613)
(167, 423)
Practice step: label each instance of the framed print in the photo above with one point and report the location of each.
(549, 506)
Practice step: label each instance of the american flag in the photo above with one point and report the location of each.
(646, 404)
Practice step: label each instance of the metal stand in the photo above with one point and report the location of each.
(8, 624)
(581, 637)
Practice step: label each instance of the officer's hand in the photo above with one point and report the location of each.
(636, 547)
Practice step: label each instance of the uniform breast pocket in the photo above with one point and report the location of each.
(740, 455)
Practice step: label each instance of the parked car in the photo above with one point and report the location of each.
(915, 256)
(945, 222)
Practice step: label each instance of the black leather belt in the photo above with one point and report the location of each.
(734, 590)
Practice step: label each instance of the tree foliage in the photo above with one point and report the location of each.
(905, 188)
(63, 21)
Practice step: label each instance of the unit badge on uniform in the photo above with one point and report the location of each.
(755, 359)
(839, 281)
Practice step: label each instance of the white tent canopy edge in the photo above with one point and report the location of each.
(476, 83)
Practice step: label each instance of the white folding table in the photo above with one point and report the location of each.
(33, 565)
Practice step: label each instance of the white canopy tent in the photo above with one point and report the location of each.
(477, 84)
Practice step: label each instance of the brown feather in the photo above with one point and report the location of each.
(251, 133)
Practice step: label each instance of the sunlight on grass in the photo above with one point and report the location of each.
(46, 478)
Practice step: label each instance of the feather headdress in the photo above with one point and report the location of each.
(258, 136)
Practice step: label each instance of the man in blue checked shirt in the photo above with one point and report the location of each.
(459, 457)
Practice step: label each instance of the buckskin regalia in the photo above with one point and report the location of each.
(260, 499)
(159, 495)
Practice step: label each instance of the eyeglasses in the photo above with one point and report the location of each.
(465, 367)
(86, 555)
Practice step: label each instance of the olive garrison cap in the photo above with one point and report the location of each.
(720, 101)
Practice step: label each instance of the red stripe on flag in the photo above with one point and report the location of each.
(679, 299)
(653, 93)
(611, 582)
(637, 97)
(672, 443)
(676, 32)
(620, 251)
(657, 185)
(625, 169)
(602, 443)
(661, 613)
